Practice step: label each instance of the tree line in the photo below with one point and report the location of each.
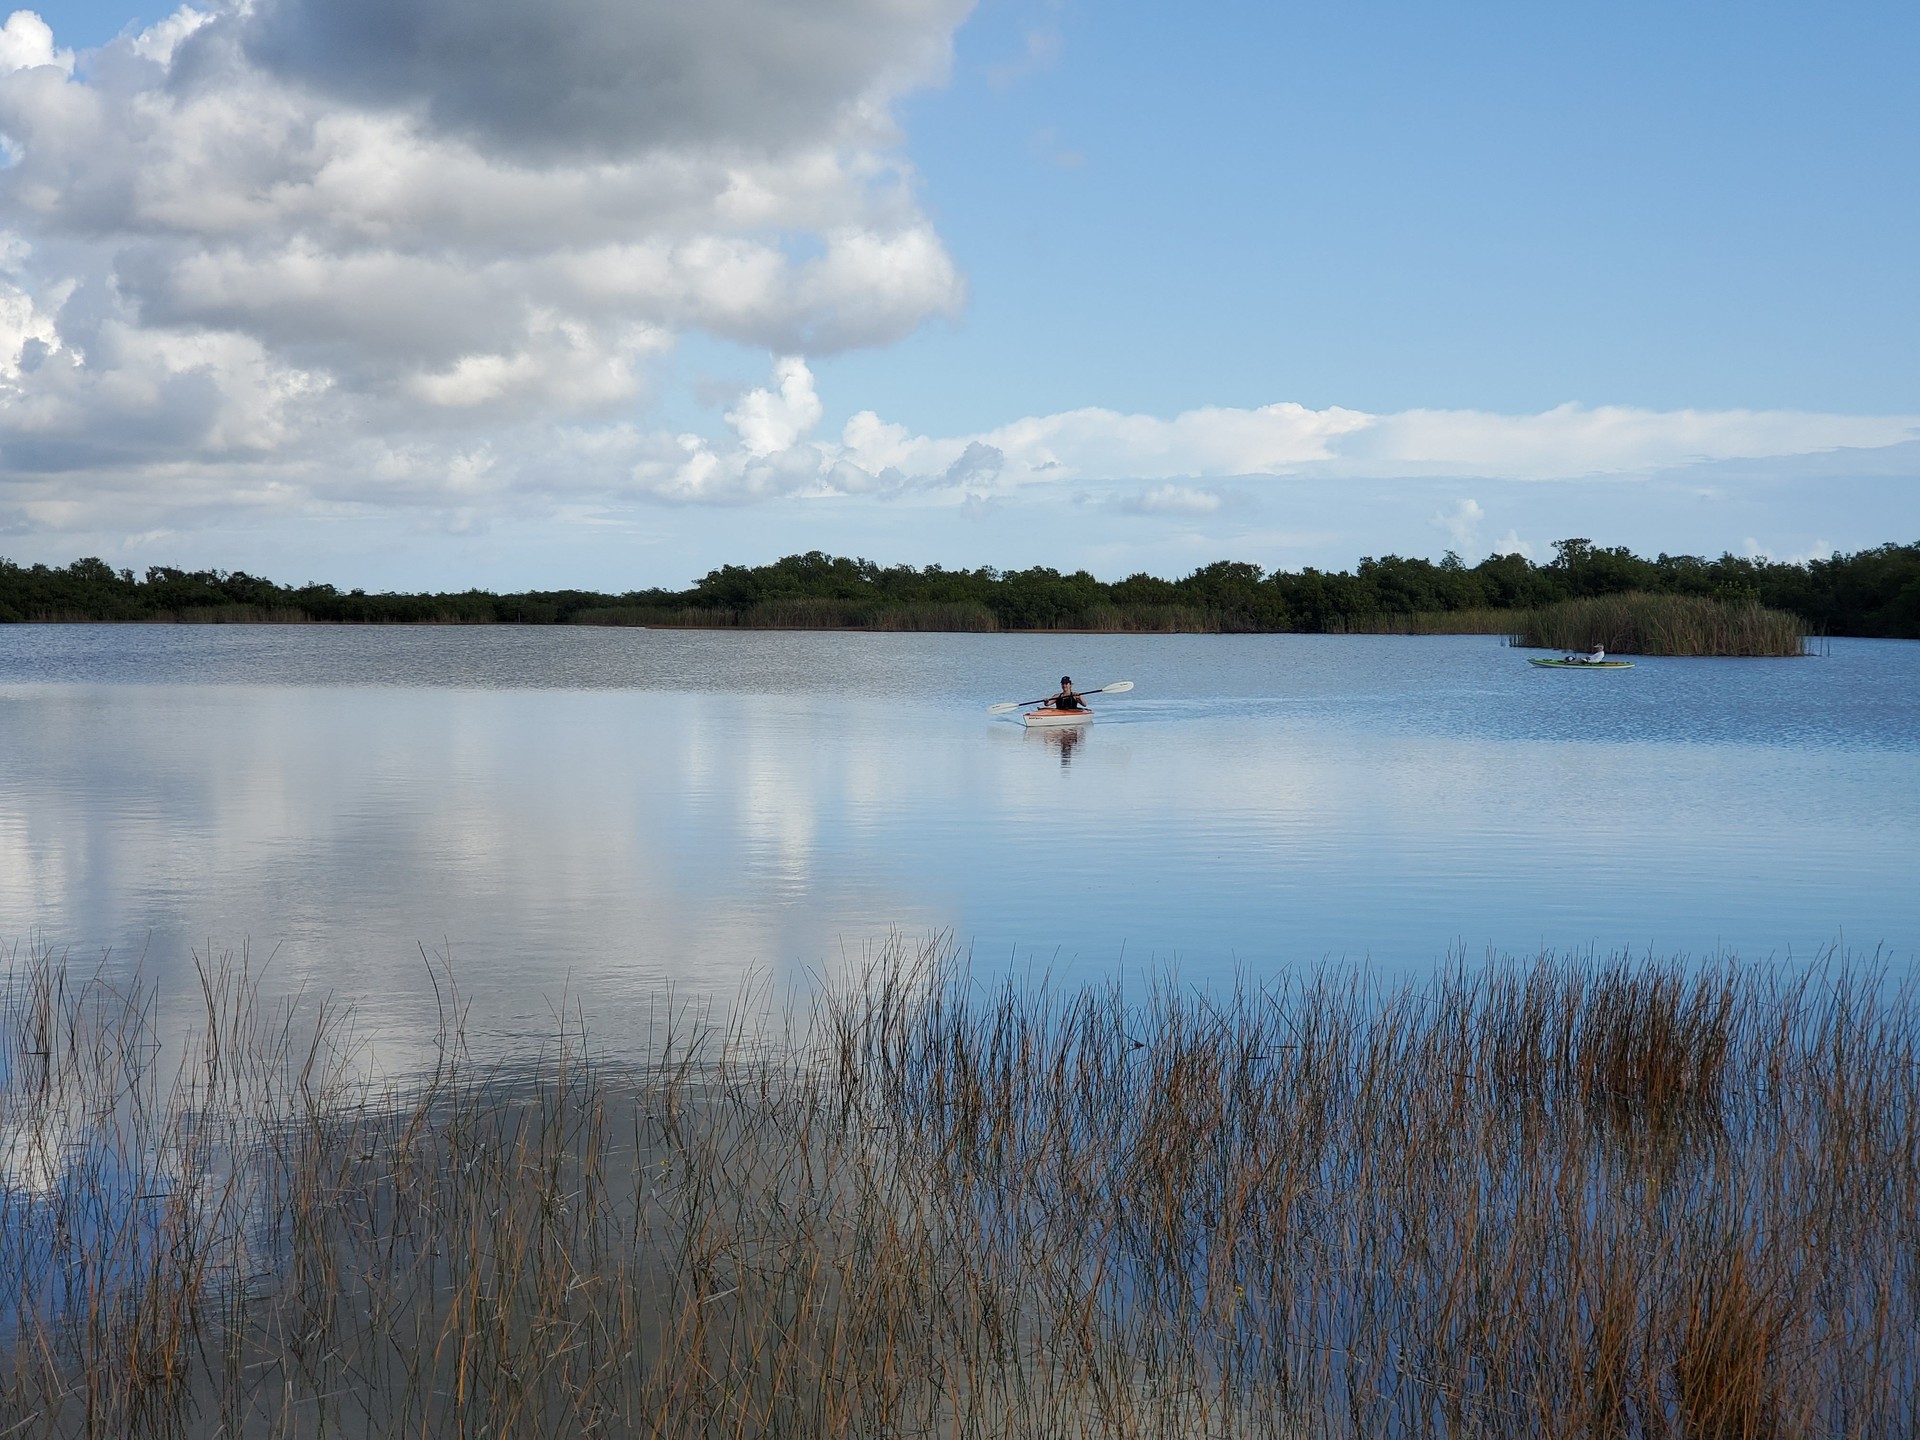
(1873, 592)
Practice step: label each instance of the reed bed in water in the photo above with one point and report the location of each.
(1647, 624)
(1544, 1200)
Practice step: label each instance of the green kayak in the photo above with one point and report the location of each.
(1583, 664)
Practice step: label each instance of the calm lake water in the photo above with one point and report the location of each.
(604, 815)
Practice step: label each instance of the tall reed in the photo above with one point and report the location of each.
(802, 613)
(1645, 624)
(1556, 1199)
(1144, 620)
(1425, 622)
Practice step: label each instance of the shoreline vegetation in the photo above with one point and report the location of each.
(1640, 624)
(1872, 592)
(1560, 1198)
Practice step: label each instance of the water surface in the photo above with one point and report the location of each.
(602, 814)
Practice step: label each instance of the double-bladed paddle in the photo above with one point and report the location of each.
(1005, 705)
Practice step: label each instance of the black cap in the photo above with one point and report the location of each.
(1066, 679)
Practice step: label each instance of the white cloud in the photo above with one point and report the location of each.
(28, 334)
(1174, 500)
(1276, 441)
(1816, 550)
(1573, 440)
(26, 41)
(1461, 524)
(158, 42)
(769, 457)
(769, 422)
(283, 242)
(423, 256)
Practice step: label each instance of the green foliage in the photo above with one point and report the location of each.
(1873, 592)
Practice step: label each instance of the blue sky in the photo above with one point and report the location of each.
(1638, 272)
(1389, 206)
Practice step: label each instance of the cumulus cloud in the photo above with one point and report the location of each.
(1275, 441)
(771, 421)
(1461, 523)
(979, 464)
(770, 454)
(294, 239)
(26, 43)
(423, 257)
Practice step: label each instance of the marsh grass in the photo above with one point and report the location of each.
(1426, 622)
(809, 613)
(800, 613)
(1614, 1200)
(1144, 620)
(1648, 624)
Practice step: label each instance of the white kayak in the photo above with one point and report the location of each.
(1047, 715)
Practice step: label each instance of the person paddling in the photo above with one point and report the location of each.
(1068, 698)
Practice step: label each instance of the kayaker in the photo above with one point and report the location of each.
(1068, 698)
(1599, 655)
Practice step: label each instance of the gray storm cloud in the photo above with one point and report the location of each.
(607, 77)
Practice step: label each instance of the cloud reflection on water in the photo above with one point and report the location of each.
(1263, 804)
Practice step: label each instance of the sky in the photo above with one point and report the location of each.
(437, 293)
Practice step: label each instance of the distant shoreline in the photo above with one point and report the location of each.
(1419, 624)
(1774, 636)
(1872, 593)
